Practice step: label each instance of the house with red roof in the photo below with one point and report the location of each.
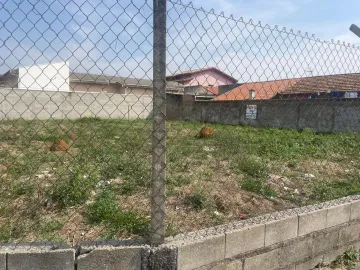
(328, 86)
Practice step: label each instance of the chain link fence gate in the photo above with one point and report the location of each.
(258, 119)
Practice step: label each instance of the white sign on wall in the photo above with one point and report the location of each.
(251, 111)
(351, 94)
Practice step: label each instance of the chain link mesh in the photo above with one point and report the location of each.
(258, 119)
(266, 122)
(76, 100)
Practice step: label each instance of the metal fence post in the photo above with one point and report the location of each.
(159, 125)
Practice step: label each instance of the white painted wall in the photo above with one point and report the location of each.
(50, 77)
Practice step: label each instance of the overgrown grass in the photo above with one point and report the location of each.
(249, 165)
(118, 153)
(332, 189)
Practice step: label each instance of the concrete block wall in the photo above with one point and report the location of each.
(17, 103)
(319, 115)
(342, 115)
(126, 258)
(295, 239)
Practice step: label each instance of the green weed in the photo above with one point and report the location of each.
(24, 188)
(217, 218)
(10, 231)
(257, 186)
(170, 230)
(126, 222)
(105, 211)
(292, 164)
(348, 259)
(198, 200)
(104, 208)
(47, 230)
(249, 165)
(178, 180)
(75, 188)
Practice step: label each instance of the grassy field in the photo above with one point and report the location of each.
(99, 188)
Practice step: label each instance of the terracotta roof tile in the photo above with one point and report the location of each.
(267, 90)
(341, 82)
(213, 90)
(263, 90)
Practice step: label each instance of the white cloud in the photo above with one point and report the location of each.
(348, 38)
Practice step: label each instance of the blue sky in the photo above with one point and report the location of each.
(328, 19)
(115, 37)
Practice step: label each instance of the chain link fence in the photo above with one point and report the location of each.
(267, 121)
(103, 103)
(76, 135)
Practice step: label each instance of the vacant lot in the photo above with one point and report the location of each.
(99, 188)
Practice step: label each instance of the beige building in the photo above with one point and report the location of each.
(91, 83)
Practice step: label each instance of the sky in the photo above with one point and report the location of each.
(327, 19)
(115, 37)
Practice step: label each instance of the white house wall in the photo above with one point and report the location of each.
(50, 77)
